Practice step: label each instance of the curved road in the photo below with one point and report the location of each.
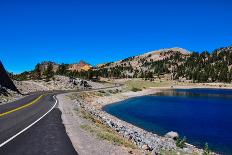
(33, 125)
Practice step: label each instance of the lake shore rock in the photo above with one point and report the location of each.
(172, 134)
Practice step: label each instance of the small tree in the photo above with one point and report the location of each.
(37, 72)
(206, 149)
(49, 72)
(181, 142)
(62, 69)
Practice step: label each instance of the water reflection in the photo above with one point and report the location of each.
(197, 92)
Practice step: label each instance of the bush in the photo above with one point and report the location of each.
(181, 142)
(206, 149)
(134, 89)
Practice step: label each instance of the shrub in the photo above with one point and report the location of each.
(134, 89)
(206, 149)
(181, 142)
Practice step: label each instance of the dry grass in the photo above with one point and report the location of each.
(142, 84)
(103, 132)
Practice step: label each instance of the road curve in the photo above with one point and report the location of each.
(21, 132)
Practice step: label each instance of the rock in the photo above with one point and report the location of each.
(131, 152)
(172, 134)
(145, 147)
(5, 80)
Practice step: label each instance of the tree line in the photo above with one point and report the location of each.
(198, 67)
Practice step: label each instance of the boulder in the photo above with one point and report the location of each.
(172, 134)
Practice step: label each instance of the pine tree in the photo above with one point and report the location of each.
(37, 72)
(49, 72)
(62, 69)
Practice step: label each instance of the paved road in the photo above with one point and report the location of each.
(46, 137)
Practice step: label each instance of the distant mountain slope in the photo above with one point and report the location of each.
(174, 63)
(5, 80)
(142, 65)
(138, 61)
(81, 66)
(49, 68)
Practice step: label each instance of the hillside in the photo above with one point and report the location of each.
(133, 66)
(81, 66)
(175, 64)
(47, 69)
(171, 64)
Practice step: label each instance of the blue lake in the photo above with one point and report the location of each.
(202, 115)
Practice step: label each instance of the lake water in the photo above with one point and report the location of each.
(202, 115)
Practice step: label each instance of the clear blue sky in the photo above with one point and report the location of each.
(107, 30)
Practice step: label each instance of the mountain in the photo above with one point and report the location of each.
(81, 66)
(137, 66)
(175, 64)
(47, 69)
(171, 63)
(5, 80)
(137, 62)
(44, 65)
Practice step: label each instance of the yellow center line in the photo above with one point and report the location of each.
(24, 106)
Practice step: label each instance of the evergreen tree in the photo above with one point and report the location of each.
(49, 72)
(37, 72)
(62, 69)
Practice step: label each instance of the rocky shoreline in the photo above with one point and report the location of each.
(143, 139)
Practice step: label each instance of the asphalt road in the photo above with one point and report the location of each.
(46, 137)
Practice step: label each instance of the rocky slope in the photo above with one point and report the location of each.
(174, 64)
(81, 66)
(8, 90)
(56, 83)
(137, 62)
(144, 65)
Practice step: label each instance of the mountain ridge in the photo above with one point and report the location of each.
(175, 63)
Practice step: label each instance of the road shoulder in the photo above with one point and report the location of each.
(85, 142)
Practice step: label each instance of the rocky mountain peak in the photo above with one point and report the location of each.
(82, 65)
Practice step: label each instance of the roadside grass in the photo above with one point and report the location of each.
(87, 128)
(103, 132)
(87, 115)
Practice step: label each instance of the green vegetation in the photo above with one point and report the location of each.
(38, 72)
(49, 72)
(87, 115)
(181, 143)
(87, 128)
(197, 67)
(206, 150)
(143, 84)
(134, 89)
(62, 69)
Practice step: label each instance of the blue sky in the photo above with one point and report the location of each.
(100, 31)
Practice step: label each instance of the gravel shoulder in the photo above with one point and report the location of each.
(85, 142)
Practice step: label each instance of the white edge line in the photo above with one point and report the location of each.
(8, 140)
